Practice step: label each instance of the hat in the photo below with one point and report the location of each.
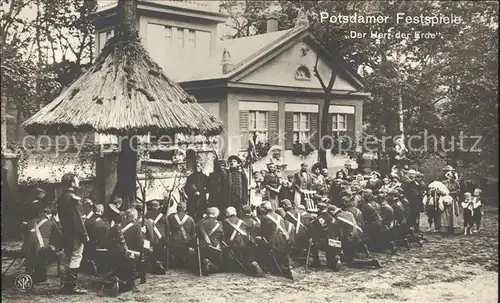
(266, 205)
(114, 209)
(448, 168)
(155, 204)
(234, 157)
(230, 211)
(270, 164)
(301, 207)
(393, 193)
(181, 206)
(246, 209)
(99, 208)
(286, 203)
(412, 171)
(321, 206)
(38, 190)
(213, 212)
(87, 201)
(376, 173)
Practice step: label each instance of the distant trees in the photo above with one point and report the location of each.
(448, 83)
(44, 45)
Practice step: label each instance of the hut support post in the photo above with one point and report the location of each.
(126, 170)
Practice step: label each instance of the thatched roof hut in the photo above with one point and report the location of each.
(124, 93)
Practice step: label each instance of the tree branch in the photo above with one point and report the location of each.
(318, 76)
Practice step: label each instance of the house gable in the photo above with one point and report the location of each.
(293, 66)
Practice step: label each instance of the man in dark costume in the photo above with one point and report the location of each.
(74, 234)
(196, 189)
(216, 182)
(237, 184)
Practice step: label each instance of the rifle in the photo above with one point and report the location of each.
(308, 253)
(142, 257)
(273, 255)
(231, 252)
(171, 191)
(198, 255)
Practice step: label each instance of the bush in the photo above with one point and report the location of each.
(432, 168)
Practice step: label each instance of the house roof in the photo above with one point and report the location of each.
(248, 50)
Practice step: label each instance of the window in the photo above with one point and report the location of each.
(191, 39)
(339, 122)
(180, 37)
(258, 125)
(104, 36)
(301, 126)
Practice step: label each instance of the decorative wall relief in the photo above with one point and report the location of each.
(303, 73)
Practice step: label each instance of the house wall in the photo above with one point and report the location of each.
(281, 70)
(167, 52)
(234, 135)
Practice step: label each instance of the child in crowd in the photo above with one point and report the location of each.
(477, 209)
(467, 205)
(286, 191)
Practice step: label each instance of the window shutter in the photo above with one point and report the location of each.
(315, 128)
(273, 127)
(350, 121)
(244, 129)
(288, 130)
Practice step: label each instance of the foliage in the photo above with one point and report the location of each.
(41, 55)
(443, 81)
(262, 149)
(302, 149)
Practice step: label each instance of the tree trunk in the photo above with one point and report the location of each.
(127, 17)
(3, 117)
(18, 124)
(322, 148)
(126, 170)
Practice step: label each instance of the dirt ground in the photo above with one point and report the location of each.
(447, 269)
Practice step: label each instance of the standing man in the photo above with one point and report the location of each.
(272, 185)
(196, 189)
(413, 191)
(74, 234)
(216, 183)
(237, 184)
(302, 181)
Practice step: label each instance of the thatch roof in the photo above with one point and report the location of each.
(124, 92)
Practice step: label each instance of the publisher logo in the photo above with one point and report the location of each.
(23, 282)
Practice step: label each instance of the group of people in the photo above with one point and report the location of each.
(351, 216)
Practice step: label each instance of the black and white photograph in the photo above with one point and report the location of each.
(249, 151)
